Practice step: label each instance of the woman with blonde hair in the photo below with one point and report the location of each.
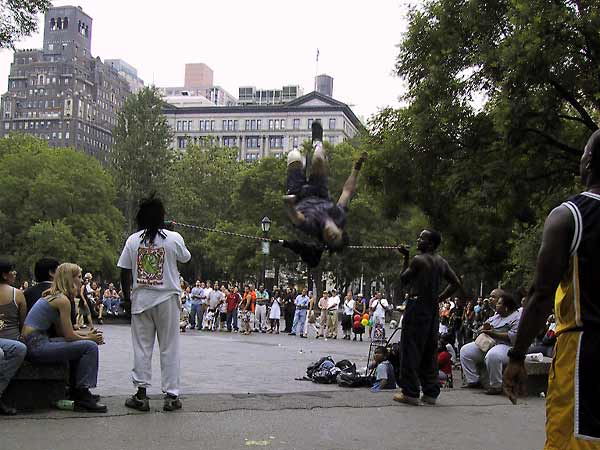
(79, 349)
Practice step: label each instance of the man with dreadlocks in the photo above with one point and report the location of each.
(309, 206)
(149, 261)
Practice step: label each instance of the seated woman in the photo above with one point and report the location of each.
(502, 328)
(13, 310)
(79, 349)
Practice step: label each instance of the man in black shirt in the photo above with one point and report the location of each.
(309, 206)
(420, 324)
(44, 274)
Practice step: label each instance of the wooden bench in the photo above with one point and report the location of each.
(37, 386)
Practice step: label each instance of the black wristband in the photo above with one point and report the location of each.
(515, 355)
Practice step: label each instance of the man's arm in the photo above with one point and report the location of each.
(453, 282)
(351, 182)
(126, 282)
(552, 263)
(295, 216)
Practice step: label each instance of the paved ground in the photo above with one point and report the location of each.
(240, 392)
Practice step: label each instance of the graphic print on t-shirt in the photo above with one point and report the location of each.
(150, 266)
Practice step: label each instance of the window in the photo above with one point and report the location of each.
(252, 142)
(181, 142)
(271, 124)
(283, 124)
(247, 127)
(275, 141)
(212, 125)
(310, 122)
(202, 125)
(229, 141)
(332, 140)
(7, 125)
(332, 124)
(236, 124)
(189, 125)
(178, 128)
(295, 142)
(277, 122)
(258, 125)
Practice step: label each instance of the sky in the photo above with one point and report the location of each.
(262, 43)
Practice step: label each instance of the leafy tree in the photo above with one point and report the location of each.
(18, 18)
(141, 156)
(501, 98)
(57, 202)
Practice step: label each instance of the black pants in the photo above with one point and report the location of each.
(288, 315)
(419, 345)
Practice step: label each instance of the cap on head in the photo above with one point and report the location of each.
(87, 276)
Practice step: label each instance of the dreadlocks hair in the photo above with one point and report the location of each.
(151, 218)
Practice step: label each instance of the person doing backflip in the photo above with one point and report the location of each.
(309, 206)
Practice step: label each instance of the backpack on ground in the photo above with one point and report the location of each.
(316, 366)
(346, 366)
(349, 379)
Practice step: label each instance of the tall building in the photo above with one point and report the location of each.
(198, 83)
(258, 131)
(61, 92)
(128, 72)
(249, 95)
(198, 75)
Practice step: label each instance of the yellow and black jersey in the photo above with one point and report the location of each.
(577, 300)
(572, 413)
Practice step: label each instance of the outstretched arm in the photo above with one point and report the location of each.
(351, 183)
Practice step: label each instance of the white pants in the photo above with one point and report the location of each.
(160, 321)
(471, 358)
(260, 317)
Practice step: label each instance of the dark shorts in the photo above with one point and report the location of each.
(298, 185)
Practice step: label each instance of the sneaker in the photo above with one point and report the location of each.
(494, 391)
(317, 336)
(171, 403)
(7, 410)
(401, 398)
(429, 400)
(100, 322)
(476, 385)
(291, 334)
(303, 336)
(141, 404)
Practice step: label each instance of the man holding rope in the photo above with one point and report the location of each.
(309, 206)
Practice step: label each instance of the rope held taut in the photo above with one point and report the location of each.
(264, 239)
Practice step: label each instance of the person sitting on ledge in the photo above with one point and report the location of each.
(79, 349)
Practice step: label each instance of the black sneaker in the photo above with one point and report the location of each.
(171, 403)
(6, 410)
(140, 404)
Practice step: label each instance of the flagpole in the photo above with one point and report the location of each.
(316, 69)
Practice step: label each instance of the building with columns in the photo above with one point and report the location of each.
(258, 131)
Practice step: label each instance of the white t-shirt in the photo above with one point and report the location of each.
(214, 298)
(379, 307)
(333, 303)
(348, 307)
(154, 268)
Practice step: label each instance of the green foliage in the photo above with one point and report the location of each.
(141, 156)
(18, 19)
(59, 203)
(502, 96)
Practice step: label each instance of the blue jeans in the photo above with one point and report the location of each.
(299, 319)
(81, 355)
(12, 354)
(232, 320)
(195, 311)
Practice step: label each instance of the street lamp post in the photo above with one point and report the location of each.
(265, 224)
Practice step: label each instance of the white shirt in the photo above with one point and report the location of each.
(348, 307)
(379, 307)
(154, 268)
(214, 298)
(333, 303)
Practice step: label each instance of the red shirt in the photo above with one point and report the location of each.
(445, 362)
(232, 301)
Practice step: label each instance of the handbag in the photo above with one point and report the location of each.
(484, 342)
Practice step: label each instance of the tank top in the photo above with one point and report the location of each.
(42, 315)
(577, 299)
(9, 319)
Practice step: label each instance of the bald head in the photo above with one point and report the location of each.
(589, 167)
